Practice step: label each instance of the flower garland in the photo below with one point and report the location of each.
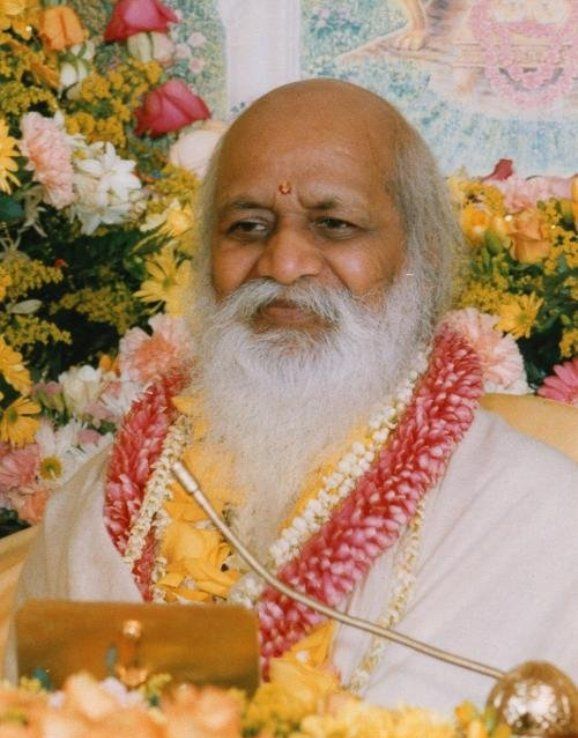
(338, 485)
(370, 520)
(404, 583)
(356, 515)
(138, 447)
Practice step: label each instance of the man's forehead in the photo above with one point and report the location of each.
(333, 171)
(316, 194)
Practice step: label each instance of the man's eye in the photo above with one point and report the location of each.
(335, 226)
(248, 228)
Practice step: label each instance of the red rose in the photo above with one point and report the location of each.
(168, 108)
(134, 16)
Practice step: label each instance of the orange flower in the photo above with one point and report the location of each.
(475, 221)
(60, 27)
(529, 234)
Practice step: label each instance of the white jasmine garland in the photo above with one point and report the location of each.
(157, 490)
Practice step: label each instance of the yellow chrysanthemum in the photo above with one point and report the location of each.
(5, 282)
(13, 369)
(170, 282)
(17, 425)
(518, 315)
(8, 165)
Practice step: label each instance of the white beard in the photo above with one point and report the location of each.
(281, 400)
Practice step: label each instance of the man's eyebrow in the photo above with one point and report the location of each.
(329, 203)
(241, 204)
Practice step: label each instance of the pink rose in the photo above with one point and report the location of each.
(168, 108)
(133, 16)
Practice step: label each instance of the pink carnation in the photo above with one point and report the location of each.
(30, 503)
(563, 384)
(144, 358)
(47, 146)
(520, 193)
(500, 357)
(19, 468)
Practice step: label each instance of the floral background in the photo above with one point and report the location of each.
(107, 120)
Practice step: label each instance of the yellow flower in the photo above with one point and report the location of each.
(11, 366)
(475, 222)
(196, 555)
(169, 281)
(518, 315)
(17, 427)
(569, 343)
(8, 165)
(314, 649)
(530, 236)
(180, 219)
(5, 282)
(18, 14)
(303, 672)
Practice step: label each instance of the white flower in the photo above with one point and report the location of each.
(118, 397)
(60, 455)
(151, 45)
(71, 73)
(81, 386)
(106, 187)
(193, 150)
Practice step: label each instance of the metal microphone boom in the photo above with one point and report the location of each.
(189, 483)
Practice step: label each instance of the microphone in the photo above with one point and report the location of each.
(188, 482)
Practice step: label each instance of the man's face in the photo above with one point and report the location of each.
(300, 203)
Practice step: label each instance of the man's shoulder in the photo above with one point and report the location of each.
(493, 448)
(497, 472)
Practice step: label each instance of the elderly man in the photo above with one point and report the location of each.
(333, 423)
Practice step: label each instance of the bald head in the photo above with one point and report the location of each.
(326, 181)
(313, 113)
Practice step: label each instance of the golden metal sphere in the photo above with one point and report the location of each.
(537, 699)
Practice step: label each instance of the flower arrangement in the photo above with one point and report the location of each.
(86, 708)
(523, 238)
(96, 231)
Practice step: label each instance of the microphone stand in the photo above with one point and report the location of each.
(189, 483)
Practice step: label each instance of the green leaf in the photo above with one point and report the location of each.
(493, 242)
(9, 208)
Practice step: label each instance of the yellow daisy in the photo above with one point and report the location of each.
(518, 315)
(169, 282)
(12, 368)
(17, 427)
(8, 165)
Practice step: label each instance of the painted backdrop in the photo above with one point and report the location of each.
(481, 79)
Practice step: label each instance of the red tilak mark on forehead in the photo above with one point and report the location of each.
(285, 188)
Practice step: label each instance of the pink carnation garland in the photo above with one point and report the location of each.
(138, 446)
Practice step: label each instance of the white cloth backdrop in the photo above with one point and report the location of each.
(262, 46)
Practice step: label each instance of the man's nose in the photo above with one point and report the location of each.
(288, 255)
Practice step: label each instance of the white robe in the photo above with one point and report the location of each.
(497, 576)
